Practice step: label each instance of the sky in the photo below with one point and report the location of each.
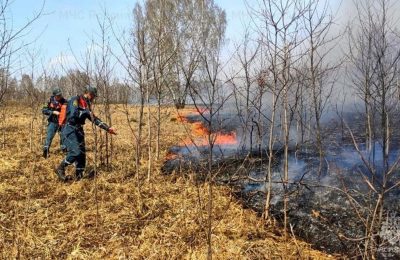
(68, 23)
(72, 23)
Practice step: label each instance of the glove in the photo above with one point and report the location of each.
(111, 131)
(86, 113)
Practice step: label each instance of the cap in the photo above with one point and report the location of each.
(57, 92)
(90, 89)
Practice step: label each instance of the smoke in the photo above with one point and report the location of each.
(343, 95)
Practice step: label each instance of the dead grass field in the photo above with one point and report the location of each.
(114, 217)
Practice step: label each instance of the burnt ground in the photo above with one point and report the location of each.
(329, 201)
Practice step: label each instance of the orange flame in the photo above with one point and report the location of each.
(181, 118)
(198, 129)
(183, 113)
(226, 139)
(215, 138)
(171, 156)
(200, 133)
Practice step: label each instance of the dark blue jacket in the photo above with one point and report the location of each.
(78, 110)
(53, 105)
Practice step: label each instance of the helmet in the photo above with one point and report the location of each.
(90, 89)
(57, 91)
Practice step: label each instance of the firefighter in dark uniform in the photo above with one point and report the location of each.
(78, 110)
(52, 110)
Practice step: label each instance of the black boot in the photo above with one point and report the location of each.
(78, 174)
(45, 152)
(61, 172)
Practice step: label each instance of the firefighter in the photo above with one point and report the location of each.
(78, 110)
(52, 111)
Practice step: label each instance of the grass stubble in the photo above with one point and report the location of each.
(161, 218)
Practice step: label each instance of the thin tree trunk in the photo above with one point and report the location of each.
(270, 158)
(149, 142)
(158, 127)
(31, 133)
(210, 192)
(139, 139)
(286, 163)
(368, 130)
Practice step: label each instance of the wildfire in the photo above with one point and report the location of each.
(215, 138)
(226, 139)
(171, 156)
(200, 135)
(181, 118)
(198, 129)
(183, 114)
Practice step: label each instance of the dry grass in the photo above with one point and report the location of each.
(113, 216)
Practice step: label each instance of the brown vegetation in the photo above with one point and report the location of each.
(111, 216)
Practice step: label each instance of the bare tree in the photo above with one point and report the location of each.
(207, 95)
(34, 97)
(189, 46)
(318, 79)
(361, 59)
(135, 60)
(103, 70)
(375, 59)
(279, 25)
(9, 47)
(44, 83)
(243, 82)
(138, 68)
(182, 40)
(164, 54)
(9, 37)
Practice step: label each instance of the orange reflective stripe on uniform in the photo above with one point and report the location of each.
(82, 103)
(63, 115)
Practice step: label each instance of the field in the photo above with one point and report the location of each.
(117, 214)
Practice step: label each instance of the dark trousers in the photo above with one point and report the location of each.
(52, 129)
(74, 140)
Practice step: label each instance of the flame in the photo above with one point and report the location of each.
(198, 129)
(182, 114)
(202, 110)
(181, 118)
(200, 134)
(171, 156)
(215, 138)
(226, 139)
